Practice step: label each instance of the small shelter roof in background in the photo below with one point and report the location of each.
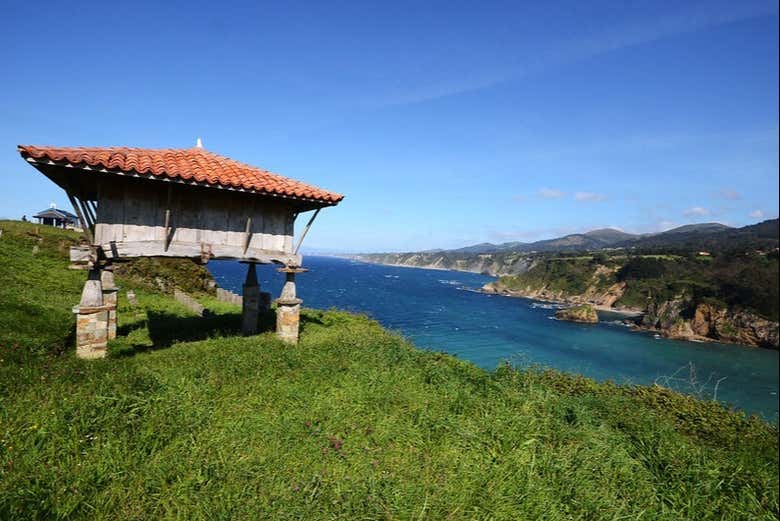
(56, 213)
(189, 165)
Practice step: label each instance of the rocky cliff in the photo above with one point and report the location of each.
(581, 313)
(682, 316)
(595, 291)
(494, 264)
(709, 322)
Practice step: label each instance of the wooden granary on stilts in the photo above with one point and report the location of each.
(178, 203)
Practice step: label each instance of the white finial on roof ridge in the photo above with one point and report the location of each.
(199, 144)
(53, 206)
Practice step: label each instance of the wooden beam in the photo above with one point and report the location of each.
(90, 212)
(93, 207)
(248, 233)
(79, 253)
(84, 208)
(305, 231)
(168, 219)
(84, 223)
(126, 249)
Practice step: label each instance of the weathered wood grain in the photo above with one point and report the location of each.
(135, 219)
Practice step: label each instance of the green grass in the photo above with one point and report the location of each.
(185, 420)
(37, 290)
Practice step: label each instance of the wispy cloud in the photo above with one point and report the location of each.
(730, 194)
(682, 21)
(590, 146)
(589, 197)
(757, 214)
(550, 193)
(520, 198)
(529, 235)
(696, 211)
(535, 234)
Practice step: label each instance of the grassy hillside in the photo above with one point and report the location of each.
(748, 280)
(712, 237)
(570, 276)
(37, 290)
(184, 420)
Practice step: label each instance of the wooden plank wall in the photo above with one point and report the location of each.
(133, 213)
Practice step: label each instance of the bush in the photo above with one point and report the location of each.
(641, 268)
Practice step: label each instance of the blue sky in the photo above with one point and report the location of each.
(445, 124)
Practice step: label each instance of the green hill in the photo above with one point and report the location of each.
(184, 420)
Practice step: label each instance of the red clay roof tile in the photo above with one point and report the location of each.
(186, 163)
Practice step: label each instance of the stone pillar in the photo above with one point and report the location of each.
(250, 307)
(91, 319)
(288, 308)
(109, 298)
(265, 302)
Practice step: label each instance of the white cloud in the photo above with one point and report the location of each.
(533, 234)
(757, 214)
(728, 193)
(696, 211)
(550, 193)
(589, 197)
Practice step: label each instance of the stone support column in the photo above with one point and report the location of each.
(91, 319)
(250, 310)
(265, 302)
(288, 308)
(110, 292)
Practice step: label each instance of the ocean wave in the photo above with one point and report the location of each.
(618, 323)
(547, 305)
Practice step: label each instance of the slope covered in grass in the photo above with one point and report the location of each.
(36, 287)
(184, 420)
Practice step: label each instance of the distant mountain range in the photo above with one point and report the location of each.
(689, 236)
(512, 258)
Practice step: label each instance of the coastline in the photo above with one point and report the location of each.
(396, 265)
(628, 316)
(406, 266)
(624, 312)
(632, 317)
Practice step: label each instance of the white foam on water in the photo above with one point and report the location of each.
(547, 305)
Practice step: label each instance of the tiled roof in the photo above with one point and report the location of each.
(188, 164)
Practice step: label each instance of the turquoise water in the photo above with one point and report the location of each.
(440, 310)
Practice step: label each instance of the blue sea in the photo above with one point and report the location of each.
(442, 311)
